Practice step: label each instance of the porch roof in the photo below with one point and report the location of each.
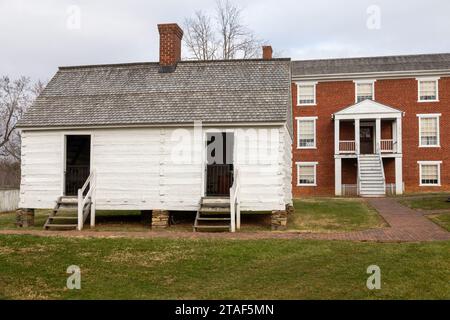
(368, 109)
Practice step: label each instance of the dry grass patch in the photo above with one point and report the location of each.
(333, 214)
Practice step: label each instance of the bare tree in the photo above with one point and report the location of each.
(200, 38)
(15, 98)
(227, 39)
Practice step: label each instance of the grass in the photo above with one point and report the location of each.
(426, 201)
(311, 215)
(442, 219)
(331, 215)
(35, 268)
(131, 221)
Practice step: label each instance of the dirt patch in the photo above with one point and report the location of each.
(147, 258)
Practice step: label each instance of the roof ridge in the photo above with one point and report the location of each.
(144, 63)
(376, 57)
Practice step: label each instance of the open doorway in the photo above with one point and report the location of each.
(78, 163)
(219, 165)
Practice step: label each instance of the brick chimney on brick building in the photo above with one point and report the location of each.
(170, 36)
(267, 52)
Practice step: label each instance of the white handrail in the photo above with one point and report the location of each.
(380, 158)
(358, 176)
(83, 200)
(347, 146)
(235, 211)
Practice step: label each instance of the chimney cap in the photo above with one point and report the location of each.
(174, 28)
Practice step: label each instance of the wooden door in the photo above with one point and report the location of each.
(219, 167)
(366, 140)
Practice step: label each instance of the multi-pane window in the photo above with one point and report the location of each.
(306, 93)
(428, 90)
(429, 130)
(306, 173)
(364, 91)
(306, 132)
(430, 173)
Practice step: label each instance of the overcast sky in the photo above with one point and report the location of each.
(37, 36)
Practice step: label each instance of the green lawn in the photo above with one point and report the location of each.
(331, 214)
(426, 201)
(35, 268)
(311, 215)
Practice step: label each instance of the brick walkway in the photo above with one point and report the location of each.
(406, 225)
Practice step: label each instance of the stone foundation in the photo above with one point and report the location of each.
(25, 218)
(279, 220)
(160, 219)
(290, 209)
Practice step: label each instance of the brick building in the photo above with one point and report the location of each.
(398, 107)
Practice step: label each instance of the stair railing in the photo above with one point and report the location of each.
(235, 210)
(85, 201)
(358, 176)
(380, 158)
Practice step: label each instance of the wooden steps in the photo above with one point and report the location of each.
(64, 216)
(213, 215)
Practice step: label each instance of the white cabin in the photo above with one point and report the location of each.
(162, 136)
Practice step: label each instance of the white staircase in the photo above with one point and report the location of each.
(372, 182)
(213, 215)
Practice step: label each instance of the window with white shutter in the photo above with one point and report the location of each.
(430, 172)
(429, 130)
(428, 90)
(306, 173)
(306, 93)
(306, 132)
(364, 91)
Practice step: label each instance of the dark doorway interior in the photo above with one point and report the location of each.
(219, 168)
(78, 159)
(366, 139)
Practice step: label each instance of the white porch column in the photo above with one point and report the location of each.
(399, 134)
(357, 138)
(394, 135)
(336, 135)
(398, 176)
(377, 134)
(337, 176)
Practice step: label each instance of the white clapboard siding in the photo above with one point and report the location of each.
(42, 167)
(9, 200)
(144, 169)
(287, 167)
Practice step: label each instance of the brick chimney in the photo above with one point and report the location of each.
(267, 52)
(170, 35)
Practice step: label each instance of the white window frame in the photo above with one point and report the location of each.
(429, 115)
(366, 81)
(314, 119)
(438, 164)
(309, 83)
(419, 80)
(306, 164)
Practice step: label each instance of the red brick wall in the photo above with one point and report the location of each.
(397, 93)
(170, 36)
(349, 171)
(389, 169)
